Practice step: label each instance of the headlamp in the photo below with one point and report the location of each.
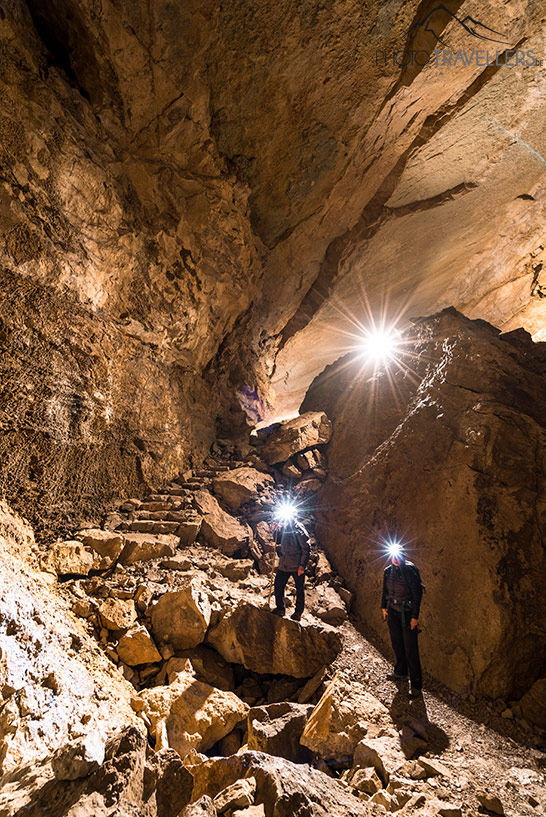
(285, 511)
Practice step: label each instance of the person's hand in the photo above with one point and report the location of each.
(384, 611)
(414, 623)
(301, 570)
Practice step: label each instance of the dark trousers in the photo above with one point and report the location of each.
(405, 646)
(281, 578)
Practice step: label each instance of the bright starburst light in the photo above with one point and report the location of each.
(285, 511)
(381, 344)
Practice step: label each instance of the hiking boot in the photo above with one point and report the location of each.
(278, 611)
(393, 676)
(296, 616)
(415, 693)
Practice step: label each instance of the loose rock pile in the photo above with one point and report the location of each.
(248, 713)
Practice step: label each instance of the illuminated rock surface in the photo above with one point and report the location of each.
(447, 451)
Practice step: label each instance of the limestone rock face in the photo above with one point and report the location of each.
(195, 714)
(239, 486)
(293, 436)
(55, 681)
(466, 430)
(283, 788)
(265, 643)
(129, 780)
(181, 618)
(332, 730)
(218, 527)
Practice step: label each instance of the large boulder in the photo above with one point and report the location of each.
(453, 458)
(68, 557)
(341, 719)
(265, 643)
(276, 729)
(207, 665)
(284, 789)
(107, 543)
(219, 528)
(126, 779)
(117, 614)
(193, 714)
(240, 485)
(143, 547)
(181, 618)
(292, 436)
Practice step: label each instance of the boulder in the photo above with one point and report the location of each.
(188, 531)
(117, 614)
(236, 570)
(533, 704)
(220, 529)
(276, 729)
(490, 802)
(181, 618)
(204, 807)
(292, 436)
(137, 647)
(364, 779)
(291, 470)
(328, 606)
(265, 643)
(80, 758)
(130, 780)
(239, 795)
(207, 665)
(143, 547)
(341, 719)
(464, 432)
(195, 715)
(105, 542)
(284, 789)
(240, 485)
(69, 557)
(383, 754)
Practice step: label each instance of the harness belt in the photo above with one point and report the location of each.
(402, 605)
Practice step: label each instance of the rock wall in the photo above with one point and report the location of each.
(446, 449)
(126, 259)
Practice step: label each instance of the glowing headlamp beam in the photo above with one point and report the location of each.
(394, 549)
(285, 511)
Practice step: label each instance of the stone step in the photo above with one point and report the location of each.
(183, 491)
(153, 526)
(177, 512)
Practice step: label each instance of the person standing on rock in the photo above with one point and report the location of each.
(293, 549)
(400, 603)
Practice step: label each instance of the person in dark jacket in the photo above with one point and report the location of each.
(293, 549)
(400, 604)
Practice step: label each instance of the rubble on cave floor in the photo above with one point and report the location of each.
(257, 709)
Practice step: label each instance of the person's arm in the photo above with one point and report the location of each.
(305, 548)
(414, 583)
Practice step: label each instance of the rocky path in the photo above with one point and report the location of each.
(264, 716)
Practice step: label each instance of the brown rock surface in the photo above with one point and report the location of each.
(332, 730)
(533, 703)
(55, 681)
(240, 485)
(276, 730)
(137, 647)
(265, 643)
(143, 547)
(292, 436)
(219, 528)
(181, 618)
(195, 714)
(282, 787)
(105, 542)
(466, 430)
(117, 614)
